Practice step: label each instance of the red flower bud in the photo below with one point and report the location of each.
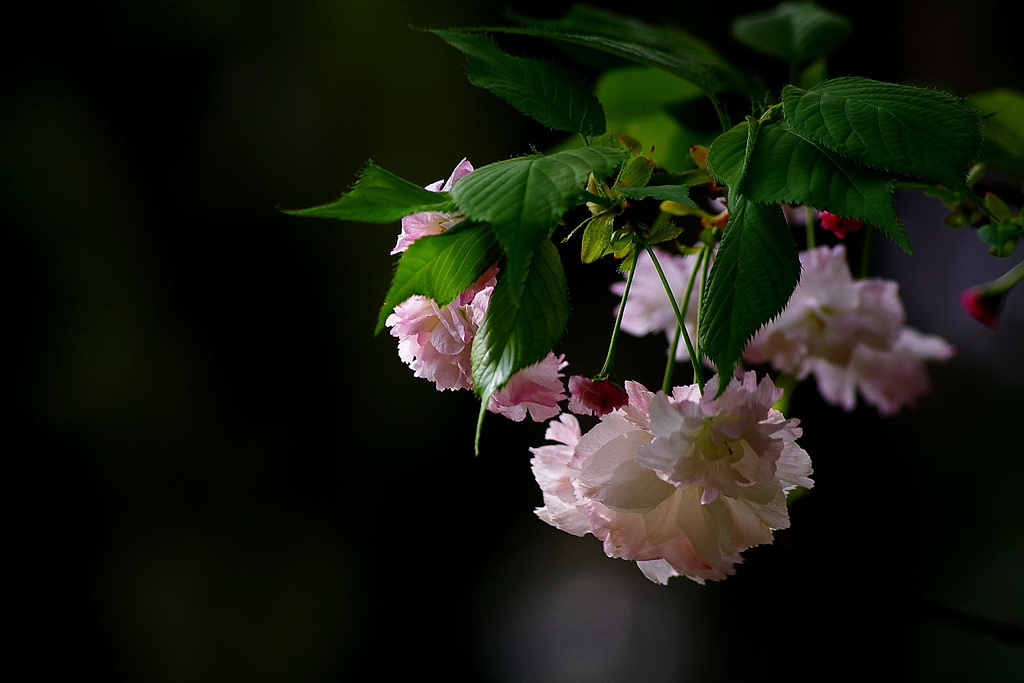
(595, 397)
(838, 225)
(981, 305)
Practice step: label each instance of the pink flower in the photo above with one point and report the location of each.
(536, 390)
(594, 397)
(680, 484)
(426, 223)
(842, 330)
(839, 225)
(435, 341)
(981, 305)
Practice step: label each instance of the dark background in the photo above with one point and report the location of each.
(220, 474)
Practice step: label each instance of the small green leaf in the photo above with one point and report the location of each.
(894, 128)
(526, 317)
(524, 198)
(785, 167)
(442, 266)
(1003, 123)
(796, 32)
(727, 156)
(754, 273)
(547, 92)
(662, 193)
(379, 196)
(597, 237)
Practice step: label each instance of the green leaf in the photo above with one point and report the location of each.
(660, 46)
(754, 273)
(524, 198)
(638, 101)
(671, 193)
(785, 167)
(894, 128)
(379, 196)
(526, 317)
(727, 156)
(547, 92)
(796, 32)
(1003, 123)
(442, 266)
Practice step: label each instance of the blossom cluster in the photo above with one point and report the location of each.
(680, 482)
(849, 334)
(436, 341)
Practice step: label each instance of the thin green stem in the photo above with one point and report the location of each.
(670, 363)
(722, 119)
(809, 227)
(698, 374)
(609, 359)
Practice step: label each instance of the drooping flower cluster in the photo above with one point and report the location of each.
(680, 484)
(436, 341)
(850, 334)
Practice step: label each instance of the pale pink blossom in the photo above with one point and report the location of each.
(648, 309)
(536, 390)
(426, 223)
(436, 341)
(681, 484)
(841, 331)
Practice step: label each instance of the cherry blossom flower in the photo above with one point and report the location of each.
(648, 309)
(844, 331)
(536, 390)
(594, 397)
(436, 342)
(680, 484)
(426, 223)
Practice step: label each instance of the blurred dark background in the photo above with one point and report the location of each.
(221, 475)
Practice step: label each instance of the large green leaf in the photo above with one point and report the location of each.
(526, 317)
(547, 92)
(754, 273)
(785, 167)
(379, 196)
(1003, 122)
(442, 266)
(660, 46)
(895, 128)
(523, 198)
(796, 32)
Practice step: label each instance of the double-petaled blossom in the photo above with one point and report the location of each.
(436, 342)
(648, 308)
(843, 331)
(680, 484)
(426, 223)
